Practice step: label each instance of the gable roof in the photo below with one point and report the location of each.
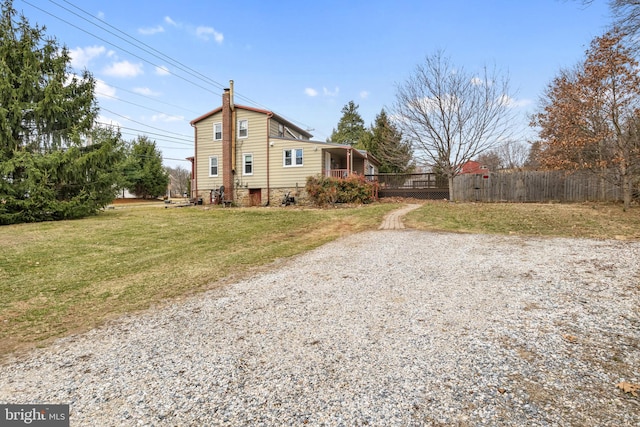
(256, 110)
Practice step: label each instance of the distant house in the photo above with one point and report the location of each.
(258, 156)
(473, 167)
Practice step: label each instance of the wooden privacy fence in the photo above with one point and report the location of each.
(534, 186)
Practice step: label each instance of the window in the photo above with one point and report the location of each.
(280, 130)
(217, 131)
(243, 128)
(292, 157)
(248, 164)
(213, 166)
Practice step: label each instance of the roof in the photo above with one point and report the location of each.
(473, 167)
(257, 110)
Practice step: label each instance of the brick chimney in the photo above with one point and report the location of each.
(227, 145)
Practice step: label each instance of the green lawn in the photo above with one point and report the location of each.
(62, 277)
(591, 220)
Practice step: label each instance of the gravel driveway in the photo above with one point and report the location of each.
(392, 328)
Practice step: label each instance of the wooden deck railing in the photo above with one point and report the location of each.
(339, 173)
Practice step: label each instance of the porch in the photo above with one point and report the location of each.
(342, 162)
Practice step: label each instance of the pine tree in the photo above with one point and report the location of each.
(52, 164)
(146, 176)
(351, 130)
(385, 142)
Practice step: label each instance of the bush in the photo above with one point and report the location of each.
(353, 189)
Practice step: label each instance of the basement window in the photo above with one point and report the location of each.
(213, 166)
(243, 128)
(292, 157)
(217, 131)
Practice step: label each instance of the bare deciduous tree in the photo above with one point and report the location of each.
(450, 115)
(514, 154)
(626, 13)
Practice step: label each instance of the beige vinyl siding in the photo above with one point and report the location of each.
(289, 176)
(273, 131)
(256, 144)
(207, 147)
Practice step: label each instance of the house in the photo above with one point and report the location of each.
(473, 167)
(258, 156)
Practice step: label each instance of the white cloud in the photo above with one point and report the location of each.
(311, 92)
(124, 69)
(364, 94)
(104, 90)
(81, 57)
(151, 31)
(514, 103)
(204, 33)
(146, 91)
(166, 118)
(162, 71)
(168, 20)
(477, 81)
(327, 92)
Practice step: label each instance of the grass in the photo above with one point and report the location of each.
(62, 277)
(587, 220)
(58, 278)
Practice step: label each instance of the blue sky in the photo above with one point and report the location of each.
(303, 60)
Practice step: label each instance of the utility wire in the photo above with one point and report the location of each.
(133, 103)
(157, 54)
(154, 99)
(140, 123)
(163, 56)
(189, 142)
(119, 47)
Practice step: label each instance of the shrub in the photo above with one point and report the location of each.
(353, 189)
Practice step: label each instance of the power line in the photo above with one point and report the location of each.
(153, 99)
(140, 123)
(175, 141)
(115, 45)
(160, 55)
(132, 103)
(163, 56)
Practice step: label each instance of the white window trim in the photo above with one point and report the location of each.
(214, 131)
(293, 158)
(217, 166)
(247, 135)
(244, 170)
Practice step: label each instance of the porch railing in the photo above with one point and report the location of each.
(339, 173)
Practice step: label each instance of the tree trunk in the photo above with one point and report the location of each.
(626, 191)
(451, 187)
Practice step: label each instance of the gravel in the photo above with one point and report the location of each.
(391, 328)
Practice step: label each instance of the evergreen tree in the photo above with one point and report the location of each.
(146, 177)
(384, 141)
(52, 165)
(351, 130)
